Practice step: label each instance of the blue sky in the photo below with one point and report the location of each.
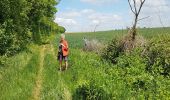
(85, 15)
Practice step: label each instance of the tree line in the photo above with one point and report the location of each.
(26, 21)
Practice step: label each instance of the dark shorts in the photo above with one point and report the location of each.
(61, 58)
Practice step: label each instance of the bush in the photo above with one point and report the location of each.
(133, 70)
(158, 55)
(143, 84)
(90, 92)
(120, 46)
(112, 51)
(93, 45)
(12, 42)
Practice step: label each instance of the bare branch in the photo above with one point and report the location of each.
(142, 2)
(136, 10)
(134, 1)
(143, 18)
(131, 7)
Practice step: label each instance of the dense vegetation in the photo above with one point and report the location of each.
(29, 67)
(25, 21)
(135, 75)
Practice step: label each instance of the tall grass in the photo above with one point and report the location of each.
(18, 78)
(88, 73)
(50, 90)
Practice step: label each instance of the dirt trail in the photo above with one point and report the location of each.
(37, 88)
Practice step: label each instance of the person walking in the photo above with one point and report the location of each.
(63, 52)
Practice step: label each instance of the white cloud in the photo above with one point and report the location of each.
(158, 11)
(104, 18)
(87, 11)
(95, 21)
(69, 14)
(151, 6)
(98, 1)
(65, 22)
(87, 19)
(155, 10)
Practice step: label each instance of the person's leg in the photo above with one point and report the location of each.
(60, 65)
(66, 62)
(60, 62)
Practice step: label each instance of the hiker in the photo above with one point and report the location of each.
(63, 52)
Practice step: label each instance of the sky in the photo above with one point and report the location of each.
(100, 15)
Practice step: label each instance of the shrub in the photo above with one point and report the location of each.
(158, 55)
(12, 42)
(128, 44)
(93, 45)
(120, 46)
(90, 92)
(133, 69)
(112, 51)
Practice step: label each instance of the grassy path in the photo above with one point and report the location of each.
(66, 93)
(38, 85)
(53, 86)
(38, 77)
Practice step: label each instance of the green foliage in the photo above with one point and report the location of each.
(158, 55)
(18, 76)
(13, 26)
(133, 71)
(40, 17)
(142, 74)
(11, 43)
(88, 76)
(3, 60)
(24, 20)
(61, 29)
(112, 51)
(90, 92)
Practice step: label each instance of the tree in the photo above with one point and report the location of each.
(61, 29)
(13, 26)
(40, 15)
(24, 20)
(131, 41)
(136, 11)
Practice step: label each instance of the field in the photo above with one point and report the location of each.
(34, 74)
(76, 39)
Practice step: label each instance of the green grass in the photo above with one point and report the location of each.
(50, 90)
(18, 77)
(76, 39)
(87, 71)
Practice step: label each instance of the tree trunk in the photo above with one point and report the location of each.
(133, 30)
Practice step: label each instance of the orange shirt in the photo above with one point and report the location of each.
(65, 47)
